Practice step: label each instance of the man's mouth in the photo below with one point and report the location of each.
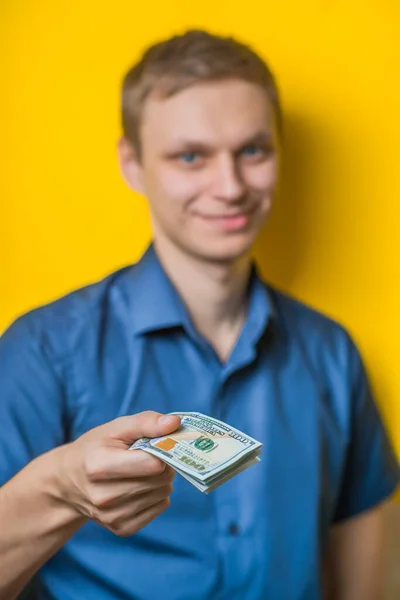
(229, 222)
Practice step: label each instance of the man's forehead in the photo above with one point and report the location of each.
(205, 111)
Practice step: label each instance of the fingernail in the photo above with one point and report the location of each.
(165, 420)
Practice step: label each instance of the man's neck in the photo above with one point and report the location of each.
(215, 294)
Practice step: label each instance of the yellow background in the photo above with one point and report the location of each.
(67, 218)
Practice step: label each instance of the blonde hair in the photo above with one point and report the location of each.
(174, 64)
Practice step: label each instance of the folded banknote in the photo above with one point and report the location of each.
(204, 450)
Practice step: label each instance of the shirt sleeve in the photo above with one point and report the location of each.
(31, 397)
(371, 471)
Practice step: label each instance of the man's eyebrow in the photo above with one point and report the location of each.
(187, 145)
(261, 137)
(184, 145)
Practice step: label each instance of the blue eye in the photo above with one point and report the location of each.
(252, 151)
(188, 157)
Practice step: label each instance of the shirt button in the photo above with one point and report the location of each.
(233, 529)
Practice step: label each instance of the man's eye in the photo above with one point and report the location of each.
(188, 157)
(252, 150)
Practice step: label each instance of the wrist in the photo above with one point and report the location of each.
(54, 480)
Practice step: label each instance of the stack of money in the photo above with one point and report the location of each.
(205, 451)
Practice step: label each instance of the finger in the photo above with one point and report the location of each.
(106, 463)
(145, 424)
(111, 494)
(143, 501)
(131, 524)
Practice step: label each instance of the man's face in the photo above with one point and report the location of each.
(209, 167)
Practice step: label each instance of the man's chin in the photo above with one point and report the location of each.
(225, 253)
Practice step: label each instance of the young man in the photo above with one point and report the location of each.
(191, 327)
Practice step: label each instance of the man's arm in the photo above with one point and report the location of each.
(33, 524)
(355, 561)
(96, 477)
(369, 477)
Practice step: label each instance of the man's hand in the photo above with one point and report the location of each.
(120, 489)
(93, 477)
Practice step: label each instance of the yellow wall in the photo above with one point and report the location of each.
(66, 217)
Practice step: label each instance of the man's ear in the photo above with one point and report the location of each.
(129, 165)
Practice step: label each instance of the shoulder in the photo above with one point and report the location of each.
(322, 338)
(319, 346)
(58, 326)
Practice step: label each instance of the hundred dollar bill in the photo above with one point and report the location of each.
(205, 451)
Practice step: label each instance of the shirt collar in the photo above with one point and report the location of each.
(260, 308)
(155, 304)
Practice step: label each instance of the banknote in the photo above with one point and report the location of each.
(205, 451)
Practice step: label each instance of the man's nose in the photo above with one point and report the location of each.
(228, 184)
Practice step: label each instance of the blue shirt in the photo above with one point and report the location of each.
(294, 381)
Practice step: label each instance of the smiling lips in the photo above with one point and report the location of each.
(234, 222)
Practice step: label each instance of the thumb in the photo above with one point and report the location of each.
(145, 424)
